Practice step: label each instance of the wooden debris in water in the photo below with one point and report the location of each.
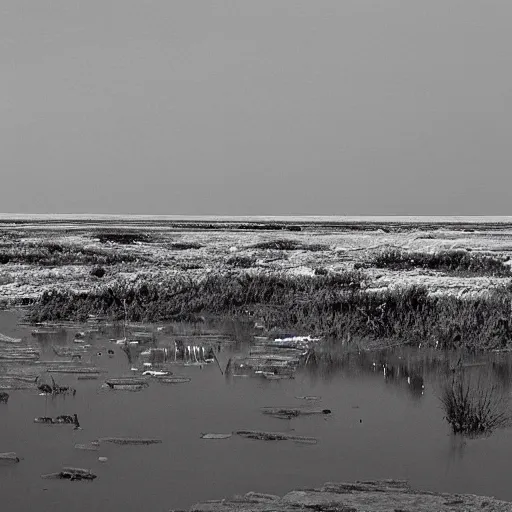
(90, 447)
(126, 387)
(64, 419)
(57, 363)
(127, 384)
(203, 336)
(69, 352)
(292, 412)
(8, 354)
(68, 473)
(216, 436)
(141, 335)
(44, 332)
(14, 384)
(174, 380)
(272, 376)
(15, 376)
(275, 436)
(9, 457)
(129, 440)
(74, 369)
(8, 339)
(126, 381)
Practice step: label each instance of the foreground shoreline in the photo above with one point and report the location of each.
(368, 496)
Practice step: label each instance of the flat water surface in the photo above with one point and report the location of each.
(380, 427)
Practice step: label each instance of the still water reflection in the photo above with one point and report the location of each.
(386, 422)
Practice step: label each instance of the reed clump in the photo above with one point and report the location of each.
(474, 406)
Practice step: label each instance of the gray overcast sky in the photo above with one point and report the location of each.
(256, 106)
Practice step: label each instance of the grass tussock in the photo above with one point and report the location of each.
(289, 245)
(241, 261)
(6, 279)
(54, 254)
(474, 407)
(184, 246)
(456, 261)
(335, 305)
(123, 238)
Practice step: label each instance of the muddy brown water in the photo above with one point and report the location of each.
(379, 428)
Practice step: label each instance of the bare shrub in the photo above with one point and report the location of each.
(474, 406)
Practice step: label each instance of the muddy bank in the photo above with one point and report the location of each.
(372, 496)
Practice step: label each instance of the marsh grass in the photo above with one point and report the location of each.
(289, 245)
(454, 261)
(241, 261)
(335, 306)
(474, 406)
(123, 238)
(48, 253)
(184, 246)
(6, 279)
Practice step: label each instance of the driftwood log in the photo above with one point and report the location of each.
(129, 440)
(275, 436)
(72, 474)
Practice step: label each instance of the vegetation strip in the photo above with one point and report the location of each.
(336, 306)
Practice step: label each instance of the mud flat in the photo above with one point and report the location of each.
(372, 496)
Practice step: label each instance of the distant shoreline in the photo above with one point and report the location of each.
(335, 219)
